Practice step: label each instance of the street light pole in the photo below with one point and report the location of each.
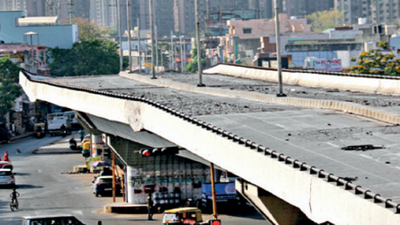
(129, 34)
(278, 50)
(196, 5)
(180, 44)
(152, 38)
(138, 32)
(120, 36)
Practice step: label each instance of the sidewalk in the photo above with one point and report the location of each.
(21, 136)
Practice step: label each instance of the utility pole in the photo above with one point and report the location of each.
(121, 61)
(278, 50)
(180, 44)
(171, 55)
(152, 39)
(138, 34)
(156, 39)
(198, 44)
(129, 34)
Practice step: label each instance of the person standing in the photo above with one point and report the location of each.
(149, 208)
(81, 134)
(5, 157)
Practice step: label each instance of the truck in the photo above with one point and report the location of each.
(58, 123)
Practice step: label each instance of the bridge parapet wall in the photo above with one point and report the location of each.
(341, 81)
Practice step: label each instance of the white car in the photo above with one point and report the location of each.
(7, 177)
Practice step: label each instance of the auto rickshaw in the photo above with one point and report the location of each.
(39, 130)
(184, 215)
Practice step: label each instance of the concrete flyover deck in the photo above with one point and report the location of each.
(292, 152)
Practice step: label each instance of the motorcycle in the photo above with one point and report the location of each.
(72, 144)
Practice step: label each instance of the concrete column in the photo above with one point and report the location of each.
(274, 209)
(97, 145)
(130, 174)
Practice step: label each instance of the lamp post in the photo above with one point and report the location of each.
(119, 37)
(278, 50)
(196, 5)
(180, 44)
(152, 39)
(129, 34)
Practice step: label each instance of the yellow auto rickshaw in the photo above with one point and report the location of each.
(181, 216)
(39, 130)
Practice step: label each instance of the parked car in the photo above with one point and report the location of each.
(103, 186)
(6, 165)
(7, 178)
(52, 219)
(5, 134)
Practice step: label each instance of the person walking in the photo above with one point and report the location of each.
(149, 207)
(5, 157)
(81, 134)
(99, 222)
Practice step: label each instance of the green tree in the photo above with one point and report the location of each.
(90, 57)
(325, 19)
(90, 30)
(375, 62)
(9, 88)
(192, 67)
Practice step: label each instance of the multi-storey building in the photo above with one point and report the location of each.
(354, 9)
(302, 8)
(385, 11)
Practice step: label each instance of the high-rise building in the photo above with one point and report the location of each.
(385, 11)
(354, 9)
(302, 8)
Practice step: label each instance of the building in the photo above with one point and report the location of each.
(302, 8)
(62, 36)
(246, 38)
(384, 11)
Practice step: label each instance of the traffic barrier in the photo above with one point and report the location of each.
(356, 83)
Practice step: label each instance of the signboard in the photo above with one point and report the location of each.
(331, 65)
(223, 191)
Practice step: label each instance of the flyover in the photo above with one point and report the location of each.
(289, 158)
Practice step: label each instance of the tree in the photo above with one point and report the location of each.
(9, 88)
(325, 19)
(90, 29)
(90, 57)
(375, 62)
(192, 67)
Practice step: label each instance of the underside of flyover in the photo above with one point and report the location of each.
(284, 190)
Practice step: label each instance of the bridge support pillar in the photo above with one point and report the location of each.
(272, 208)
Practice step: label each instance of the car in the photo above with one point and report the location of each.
(102, 185)
(5, 134)
(51, 219)
(6, 165)
(7, 178)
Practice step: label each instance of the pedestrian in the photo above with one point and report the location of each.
(81, 134)
(149, 208)
(99, 222)
(5, 157)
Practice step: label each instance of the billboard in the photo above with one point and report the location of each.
(328, 65)
(215, 21)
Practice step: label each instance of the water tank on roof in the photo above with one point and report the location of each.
(293, 17)
(362, 20)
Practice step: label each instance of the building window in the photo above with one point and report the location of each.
(246, 30)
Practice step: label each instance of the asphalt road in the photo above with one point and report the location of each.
(46, 189)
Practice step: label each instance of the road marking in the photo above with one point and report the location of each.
(367, 156)
(336, 146)
(280, 125)
(57, 178)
